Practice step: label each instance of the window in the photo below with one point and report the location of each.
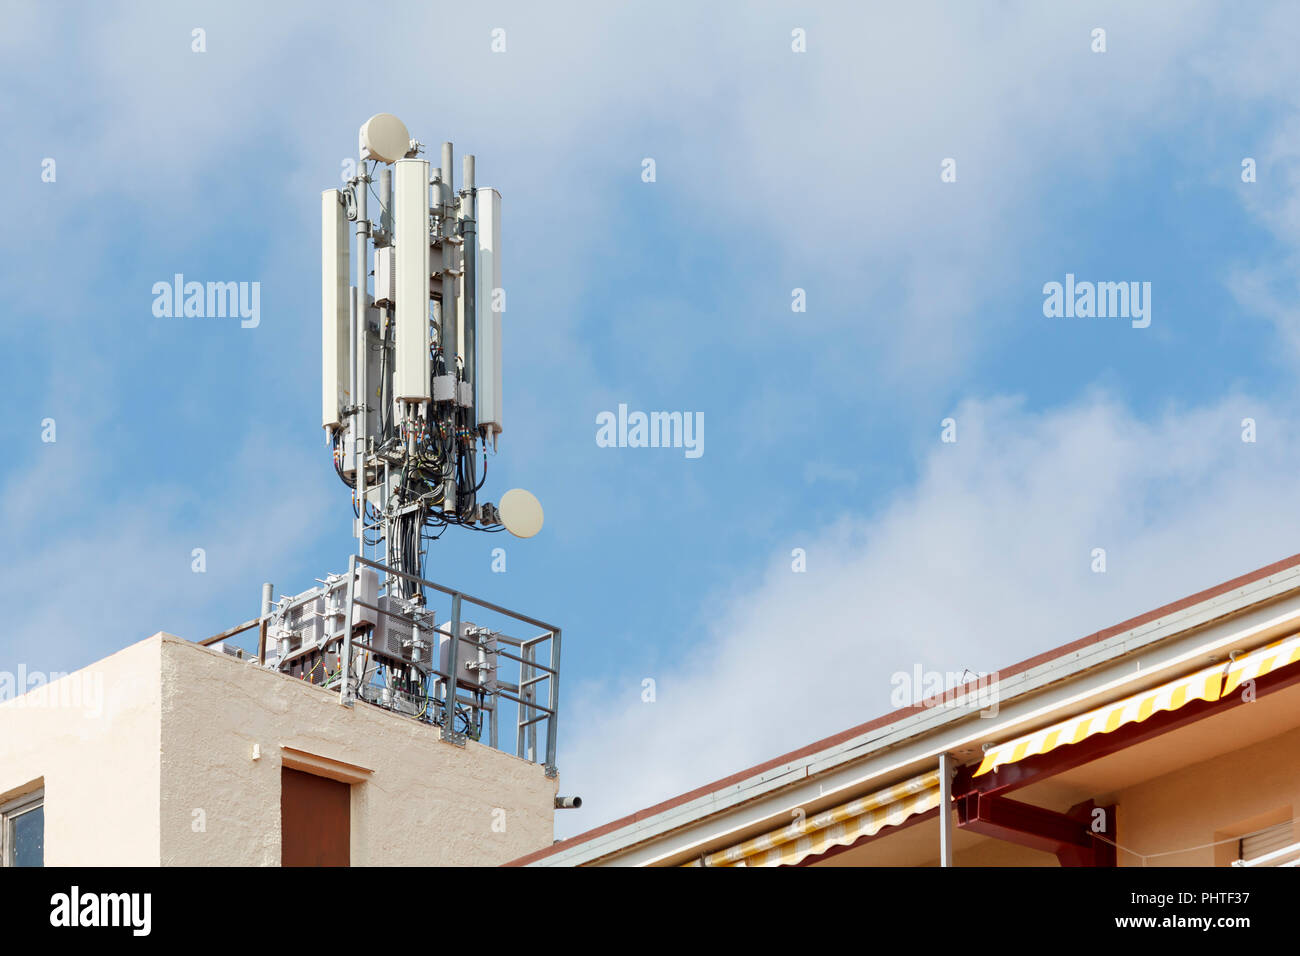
(1271, 846)
(22, 831)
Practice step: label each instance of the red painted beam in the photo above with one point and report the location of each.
(1102, 851)
(1073, 836)
(1022, 823)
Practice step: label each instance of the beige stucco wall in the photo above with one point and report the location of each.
(423, 802)
(994, 852)
(1216, 799)
(146, 757)
(93, 738)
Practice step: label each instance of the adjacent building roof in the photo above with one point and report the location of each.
(1161, 626)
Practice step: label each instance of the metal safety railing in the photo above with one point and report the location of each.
(463, 709)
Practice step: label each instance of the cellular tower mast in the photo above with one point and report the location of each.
(411, 379)
(411, 405)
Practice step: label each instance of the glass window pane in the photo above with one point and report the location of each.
(27, 830)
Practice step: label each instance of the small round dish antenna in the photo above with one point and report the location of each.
(521, 513)
(384, 137)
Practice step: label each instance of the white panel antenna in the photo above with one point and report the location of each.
(488, 342)
(411, 267)
(335, 334)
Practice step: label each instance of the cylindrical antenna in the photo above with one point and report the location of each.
(268, 599)
(448, 177)
(435, 185)
(487, 229)
(336, 317)
(450, 340)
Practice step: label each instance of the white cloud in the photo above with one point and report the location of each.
(985, 562)
(831, 157)
(816, 471)
(1269, 290)
(120, 566)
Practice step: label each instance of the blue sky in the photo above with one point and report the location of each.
(775, 170)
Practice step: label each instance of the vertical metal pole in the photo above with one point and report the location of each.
(946, 772)
(386, 224)
(446, 305)
(469, 256)
(453, 659)
(484, 694)
(531, 731)
(361, 396)
(552, 723)
(386, 201)
(352, 376)
(447, 200)
(384, 499)
(268, 593)
(345, 665)
(525, 713)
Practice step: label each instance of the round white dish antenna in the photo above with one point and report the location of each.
(384, 137)
(521, 513)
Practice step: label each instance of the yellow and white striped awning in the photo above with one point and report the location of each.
(1263, 661)
(849, 822)
(839, 826)
(1203, 685)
